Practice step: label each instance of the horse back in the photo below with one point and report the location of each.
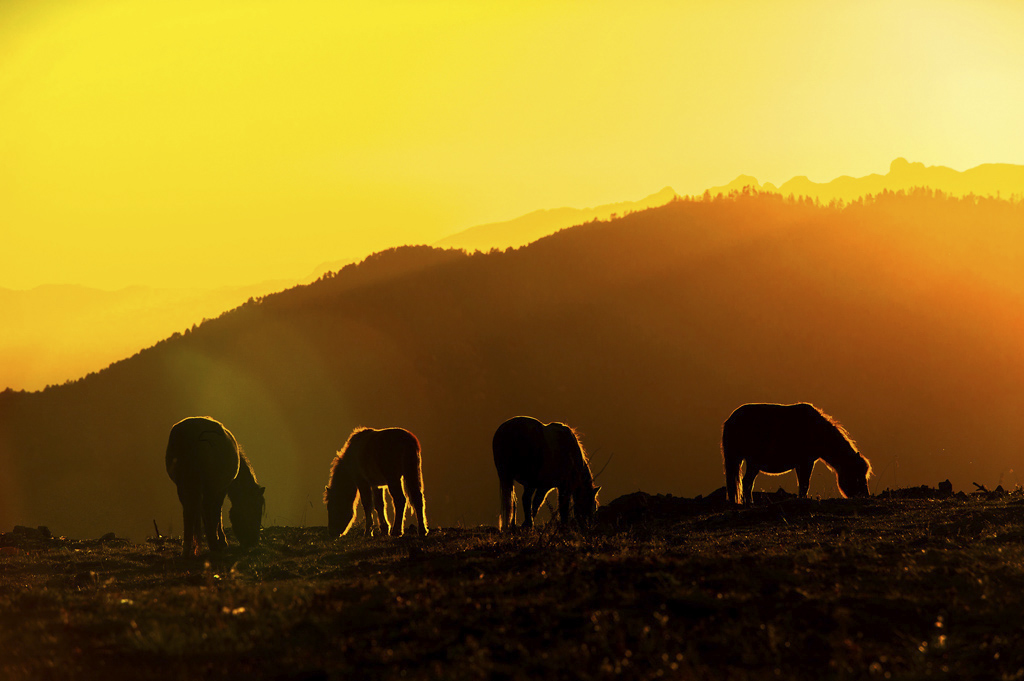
(564, 462)
(776, 436)
(519, 447)
(202, 452)
(403, 453)
(378, 456)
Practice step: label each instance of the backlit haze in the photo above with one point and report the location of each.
(197, 144)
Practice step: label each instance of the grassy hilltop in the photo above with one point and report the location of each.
(804, 589)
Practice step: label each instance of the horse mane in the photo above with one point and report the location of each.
(340, 456)
(245, 485)
(841, 430)
(245, 470)
(581, 466)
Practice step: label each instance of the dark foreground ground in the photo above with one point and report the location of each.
(880, 588)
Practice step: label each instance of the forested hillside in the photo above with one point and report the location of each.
(900, 315)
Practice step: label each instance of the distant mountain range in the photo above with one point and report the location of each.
(532, 226)
(528, 228)
(990, 179)
(55, 333)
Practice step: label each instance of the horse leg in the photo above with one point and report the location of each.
(221, 537)
(191, 524)
(187, 541)
(398, 496)
(366, 498)
(191, 516)
(196, 531)
(748, 483)
(383, 526)
(803, 477)
(538, 499)
(415, 496)
(528, 493)
(213, 522)
(564, 501)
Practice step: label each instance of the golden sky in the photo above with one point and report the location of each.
(198, 143)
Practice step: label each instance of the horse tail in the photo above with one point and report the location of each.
(732, 467)
(414, 486)
(417, 475)
(507, 494)
(732, 479)
(412, 466)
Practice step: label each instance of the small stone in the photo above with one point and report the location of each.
(89, 578)
(28, 532)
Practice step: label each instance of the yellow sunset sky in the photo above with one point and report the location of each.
(213, 143)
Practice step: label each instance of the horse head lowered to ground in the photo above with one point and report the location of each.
(206, 464)
(542, 457)
(371, 460)
(778, 438)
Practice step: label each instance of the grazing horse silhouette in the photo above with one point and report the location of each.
(542, 457)
(206, 463)
(370, 460)
(778, 438)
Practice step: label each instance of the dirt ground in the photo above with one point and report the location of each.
(909, 585)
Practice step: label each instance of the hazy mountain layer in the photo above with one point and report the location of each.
(55, 333)
(532, 226)
(990, 179)
(59, 333)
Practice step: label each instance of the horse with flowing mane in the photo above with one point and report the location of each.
(206, 464)
(371, 460)
(542, 457)
(778, 438)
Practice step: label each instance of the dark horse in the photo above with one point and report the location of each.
(778, 438)
(370, 460)
(542, 457)
(206, 463)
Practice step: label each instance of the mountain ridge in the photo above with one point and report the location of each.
(60, 332)
(536, 224)
(63, 340)
(987, 179)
